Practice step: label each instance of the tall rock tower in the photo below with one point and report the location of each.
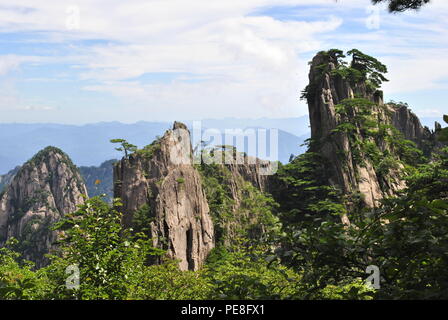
(354, 130)
(162, 182)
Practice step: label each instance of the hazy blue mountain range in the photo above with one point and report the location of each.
(88, 145)
(99, 180)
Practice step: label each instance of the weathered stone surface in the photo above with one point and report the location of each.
(328, 91)
(42, 191)
(164, 178)
(408, 123)
(253, 170)
(410, 126)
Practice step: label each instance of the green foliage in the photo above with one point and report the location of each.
(411, 248)
(167, 282)
(149, 150)
(301, 187)
(381, 144)
(309, 255)
(371, 70)
(363, 69)
(357, 290)
(242, 272)
(142, 219)
(249, 215)
(337, 54)
(106, 254)
(219, 197)
(257, 221)
(34, 231)
(125, 146)
(180, 180)
(405, 237)
(17, 280)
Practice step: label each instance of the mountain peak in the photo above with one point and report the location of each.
(44, 189)
(354, 130)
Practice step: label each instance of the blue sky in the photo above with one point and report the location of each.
(160, 60)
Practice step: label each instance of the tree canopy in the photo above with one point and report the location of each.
(403, 5)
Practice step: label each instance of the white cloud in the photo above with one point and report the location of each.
(431, 113)
(419, 72)
(247, 65)
(11, 62)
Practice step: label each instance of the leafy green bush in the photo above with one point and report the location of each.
(242, 272)
(18, 280)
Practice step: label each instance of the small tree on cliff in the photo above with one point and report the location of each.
(125, 146)
(363, 68)
(368, 68)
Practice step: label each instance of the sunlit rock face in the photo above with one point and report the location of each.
(327, 90)
(42, 191)
(163, 179)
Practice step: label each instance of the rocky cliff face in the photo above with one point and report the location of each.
(235, 185)
(408, 123)
(349, 122)
(253, 170)
(41, 192)
(410, 126)
(162, 183)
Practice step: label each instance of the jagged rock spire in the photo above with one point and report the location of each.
(162, 181)
(325, 93)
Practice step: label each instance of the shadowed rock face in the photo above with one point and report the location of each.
(42, 191)
(162, 177)
(328, 91)
(410, 126)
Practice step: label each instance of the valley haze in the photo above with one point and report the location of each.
(89, 144)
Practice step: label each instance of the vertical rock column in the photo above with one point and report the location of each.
(162, 178)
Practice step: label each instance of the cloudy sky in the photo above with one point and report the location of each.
(86, 61)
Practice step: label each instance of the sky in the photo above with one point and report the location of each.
(84, 61)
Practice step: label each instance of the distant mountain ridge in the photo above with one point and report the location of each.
(88, 145)
(99, 180)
